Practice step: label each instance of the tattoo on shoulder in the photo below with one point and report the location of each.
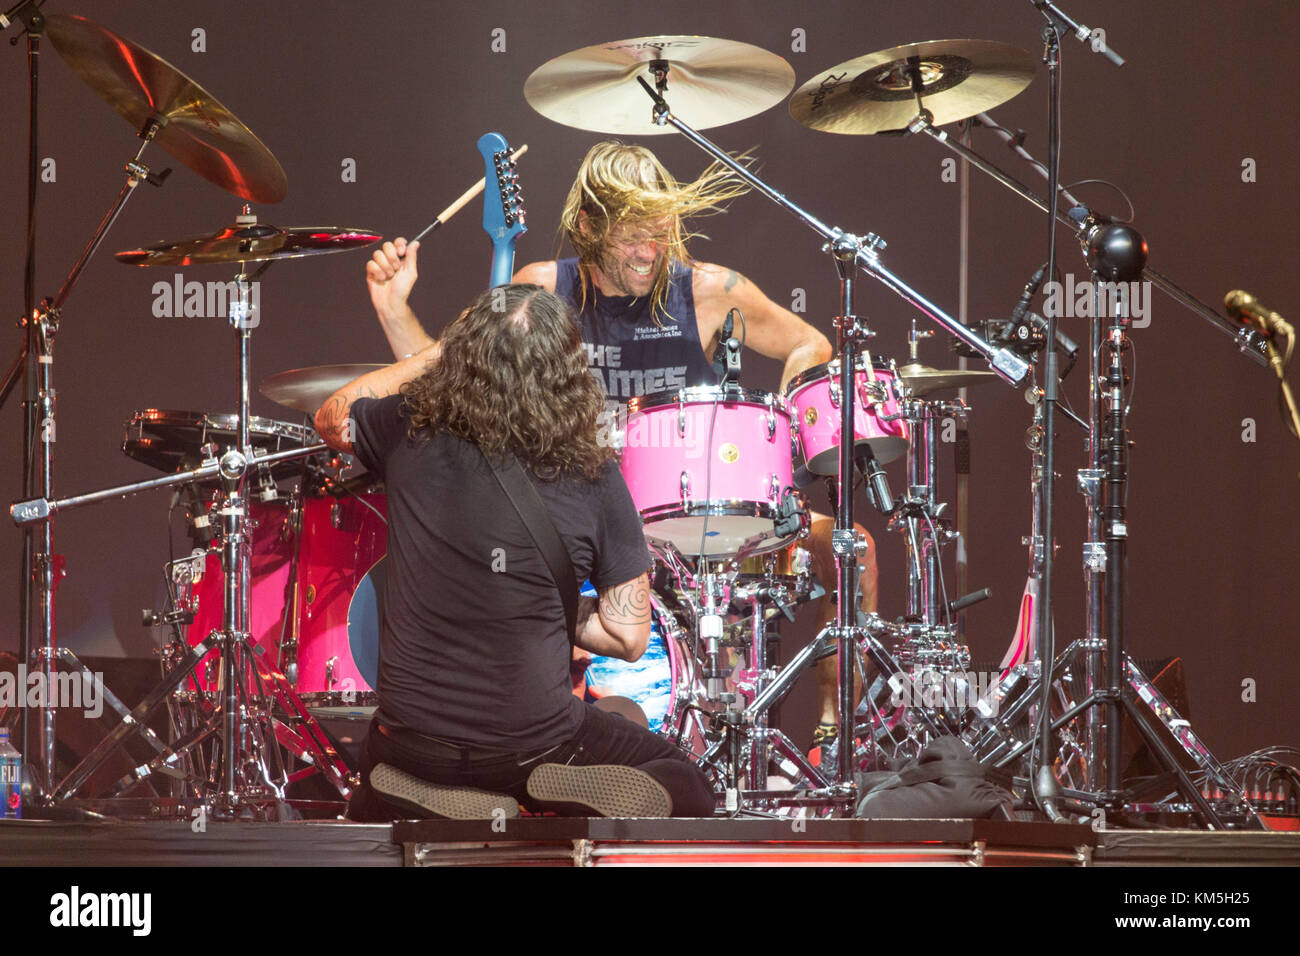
(627, 603)
(734, 279)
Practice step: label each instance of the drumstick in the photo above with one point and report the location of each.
(465, 197)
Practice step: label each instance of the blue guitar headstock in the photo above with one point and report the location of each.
(503, 205)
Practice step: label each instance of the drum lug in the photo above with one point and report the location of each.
(329, 672)
(686, 486)
(771, 419)
(681, 418)
(774, 487)
(834, 383)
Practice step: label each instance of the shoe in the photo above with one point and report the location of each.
(611, 790)
(423, 798)
(821, 754)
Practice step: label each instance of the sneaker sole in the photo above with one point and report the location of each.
(609, 789)
(453, 803)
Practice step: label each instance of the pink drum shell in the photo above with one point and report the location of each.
(739, 482)
(338, 548)
(817, 418)
(342, 541)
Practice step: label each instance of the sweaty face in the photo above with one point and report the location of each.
(631, 257)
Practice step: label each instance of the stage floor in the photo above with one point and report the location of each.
(554, 841)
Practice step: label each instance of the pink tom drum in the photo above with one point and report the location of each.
(708, 469)
(814, 397)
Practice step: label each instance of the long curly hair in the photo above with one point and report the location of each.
(619, 184)
(512, 377)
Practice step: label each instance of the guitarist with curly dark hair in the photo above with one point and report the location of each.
(474, 692)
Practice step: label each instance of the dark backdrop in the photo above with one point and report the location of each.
(405, 89)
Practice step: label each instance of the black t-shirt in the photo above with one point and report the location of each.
(473, 647)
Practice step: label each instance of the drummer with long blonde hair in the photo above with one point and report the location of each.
(650, 316)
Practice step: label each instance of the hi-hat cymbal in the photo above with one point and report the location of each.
(873, 93)
(195, 128)
(923, 380)
(249, 243)
(305, 389)
(711, 82)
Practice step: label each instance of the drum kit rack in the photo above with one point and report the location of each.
(727, 561)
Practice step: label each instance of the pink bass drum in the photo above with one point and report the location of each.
(709, 469)
(329, 648)
(814, 398)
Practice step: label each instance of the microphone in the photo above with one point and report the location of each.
(726, 357)
(720, 352)
(1245, 309)
(1031, 289)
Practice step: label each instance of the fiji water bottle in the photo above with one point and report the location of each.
(11, 778)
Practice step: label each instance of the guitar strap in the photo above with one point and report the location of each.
(541, 526)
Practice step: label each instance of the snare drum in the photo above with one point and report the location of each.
(708, 468)
(814, 397)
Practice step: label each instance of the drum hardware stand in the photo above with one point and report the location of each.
(239, 722)
(1249, 341)
(42, 326)
(1088, 225)
(1116, 253)
(745, 744)
(864, 253)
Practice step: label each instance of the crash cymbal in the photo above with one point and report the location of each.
(873, 93)
(711, 82)
(923, 380)
(253, 242)
(306, 389)
(196, 129)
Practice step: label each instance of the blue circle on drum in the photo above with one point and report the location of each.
(648, 681)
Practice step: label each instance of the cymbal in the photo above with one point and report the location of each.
(196, 129)
(873, 93)
(711, 82)
(306, 389)
(923, 380)
(254, 242)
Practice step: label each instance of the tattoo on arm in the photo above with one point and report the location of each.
(627, 603)
(734, 278)
(330, 418)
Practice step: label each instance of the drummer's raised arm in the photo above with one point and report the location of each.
(334, 417)
(390, 275)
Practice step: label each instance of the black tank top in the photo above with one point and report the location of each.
(627, 352)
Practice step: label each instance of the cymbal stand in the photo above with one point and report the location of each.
(849, 251)
(41, 421)
(246, 771)
(1101, 240)
(1112, 683)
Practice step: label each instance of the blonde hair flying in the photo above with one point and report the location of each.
(618, 184)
